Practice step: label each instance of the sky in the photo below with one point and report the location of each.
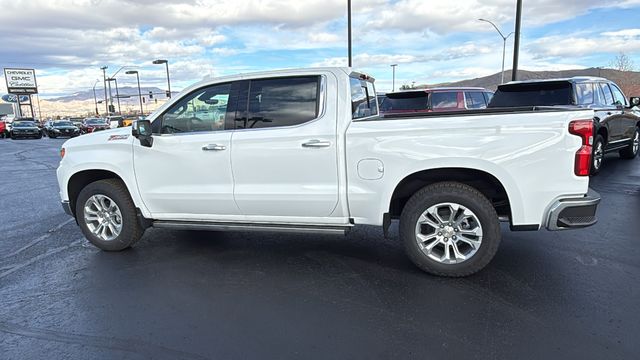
(432, 41)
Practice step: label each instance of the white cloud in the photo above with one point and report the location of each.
(324, 37)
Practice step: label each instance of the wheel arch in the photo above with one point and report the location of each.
(481, 180)
(81, 179)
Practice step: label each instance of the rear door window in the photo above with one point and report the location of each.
(608, 96)
(444, 100)
(475, 100)
(283, 101)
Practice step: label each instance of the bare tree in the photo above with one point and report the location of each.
(622, 62)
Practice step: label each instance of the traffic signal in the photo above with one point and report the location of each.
(150, 94)
(112, 108)
(168, 93)
(144, 100)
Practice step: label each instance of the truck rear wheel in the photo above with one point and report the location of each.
(107, 216)
(450, 229)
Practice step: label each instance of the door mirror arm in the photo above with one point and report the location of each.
(141, 130)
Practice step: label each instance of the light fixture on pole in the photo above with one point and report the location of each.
(504, 45)
(166, 63)
(393, 83)
(131, 72)
(104, 80)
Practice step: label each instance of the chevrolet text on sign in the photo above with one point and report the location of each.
(21, 81)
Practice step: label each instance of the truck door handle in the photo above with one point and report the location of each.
(213, 147)
(315, 143)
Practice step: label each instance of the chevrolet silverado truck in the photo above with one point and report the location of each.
(306, 151)
(616, 119)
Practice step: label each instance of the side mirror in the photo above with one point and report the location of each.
(141, 130)
(634, 101)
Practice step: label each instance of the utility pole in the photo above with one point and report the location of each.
(104, 80)
(504, 45)
(349, 29)
(516, 44)
(95, 99)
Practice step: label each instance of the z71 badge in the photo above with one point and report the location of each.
(118, 137)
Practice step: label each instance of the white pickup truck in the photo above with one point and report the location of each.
(306, 151)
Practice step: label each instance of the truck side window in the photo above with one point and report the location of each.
(363, 99)
(444, 100)
(202, 110)
(283, 101)
(618, 97)
(584, 93)
(608, 97)
(475, 100)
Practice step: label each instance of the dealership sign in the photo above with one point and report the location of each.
(14, 98)
(21, 81)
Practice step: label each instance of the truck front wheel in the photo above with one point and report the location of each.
(450, 229)
(107, 215)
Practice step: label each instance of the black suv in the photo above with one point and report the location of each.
(617, 120)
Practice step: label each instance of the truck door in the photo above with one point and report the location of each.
(284, 149)
(186, 173)
(610, 114)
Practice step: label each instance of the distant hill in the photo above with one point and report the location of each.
(629, 81)
(122, 91)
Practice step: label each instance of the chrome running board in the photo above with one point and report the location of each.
(227, 226)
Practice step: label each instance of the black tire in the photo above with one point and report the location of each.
(117, 191)
(595, 166)
(39, 136)
(461, 194)
(629, 152)
(52, 136)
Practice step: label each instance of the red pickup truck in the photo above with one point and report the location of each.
(434, 100)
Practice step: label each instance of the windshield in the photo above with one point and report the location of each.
(533, 94)
(405, 101)
(95, 122)
(24, 124)
(63, 123)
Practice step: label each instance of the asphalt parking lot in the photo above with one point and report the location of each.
(215, 295)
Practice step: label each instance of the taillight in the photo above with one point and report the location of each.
(584, 129)
(62, 152)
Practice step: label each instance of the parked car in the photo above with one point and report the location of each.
(305, 150)
(617, 122)
(434, 100)
(76, 121)
(90, 125)
(61, 128)
(25, 129)
(115, 121)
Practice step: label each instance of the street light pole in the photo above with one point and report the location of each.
(95, 99)
(393, 83)
(166, 63)
(504, 45)
(349, 30)
(516, 43)
(104, 80)
(139, 92)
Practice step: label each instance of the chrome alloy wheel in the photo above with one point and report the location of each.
(448, 233)
(103, 217)
(598, 155)
(636, 143)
